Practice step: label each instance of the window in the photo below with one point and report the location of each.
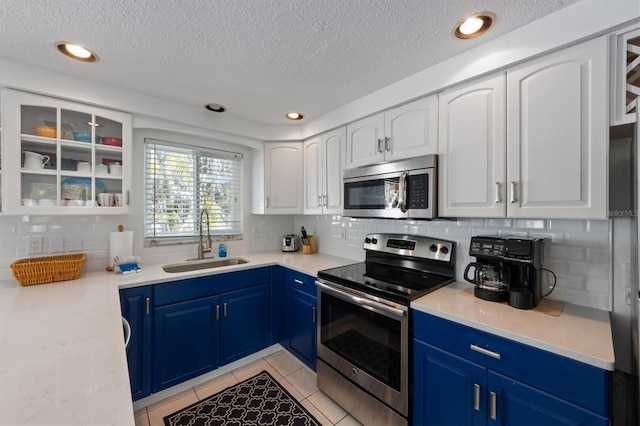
(181, 181)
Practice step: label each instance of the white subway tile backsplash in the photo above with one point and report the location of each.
(578, 251)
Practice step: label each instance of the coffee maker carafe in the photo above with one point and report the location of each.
(507, 269)
(490, 280)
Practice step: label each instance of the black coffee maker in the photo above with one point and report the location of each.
(507, 269)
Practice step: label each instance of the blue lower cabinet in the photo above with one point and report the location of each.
(519, 404)
(301, 325)
(448, 390)
(245, 322)
(463, 376)
(197, 336)
(186, 341)
(295, 316)
(135, 304)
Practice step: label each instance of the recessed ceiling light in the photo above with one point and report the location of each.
(215, 107)
(294, 116)
(77, 52)
(475, 25)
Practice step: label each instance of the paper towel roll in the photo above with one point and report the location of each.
(120, 244)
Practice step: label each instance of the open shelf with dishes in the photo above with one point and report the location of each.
(69, 158)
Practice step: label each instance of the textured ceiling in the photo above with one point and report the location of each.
(259, 58)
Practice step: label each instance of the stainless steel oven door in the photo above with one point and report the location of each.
(366, 340)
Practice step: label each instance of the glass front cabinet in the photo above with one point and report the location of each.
(64, 157)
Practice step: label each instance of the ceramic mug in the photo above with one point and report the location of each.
(115, 169)
(105, 199)
(84, 167)
(101, 169)
(117, 200)
(33, 160)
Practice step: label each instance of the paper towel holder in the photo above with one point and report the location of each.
(120, 229)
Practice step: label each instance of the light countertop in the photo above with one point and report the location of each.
(62, 356)
(579, 333)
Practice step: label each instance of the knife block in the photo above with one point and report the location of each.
(311, 247)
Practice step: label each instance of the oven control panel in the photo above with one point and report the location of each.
(410, 245)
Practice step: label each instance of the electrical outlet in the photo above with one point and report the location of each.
(35, 245)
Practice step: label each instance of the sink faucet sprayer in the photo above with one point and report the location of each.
(201, 247)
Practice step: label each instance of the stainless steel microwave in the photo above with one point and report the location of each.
(405, 189)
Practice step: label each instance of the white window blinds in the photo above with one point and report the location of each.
(181, 181)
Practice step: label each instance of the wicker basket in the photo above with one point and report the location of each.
(42, 270)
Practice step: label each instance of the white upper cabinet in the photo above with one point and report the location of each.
(553, 163)
(313, 175)
(472, 151)
(406, 131)
(323, 164)
(557, 133)
(283, 177)
(65, 157)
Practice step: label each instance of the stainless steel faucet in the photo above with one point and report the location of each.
(201, 246)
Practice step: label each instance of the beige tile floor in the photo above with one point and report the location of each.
(294, 376)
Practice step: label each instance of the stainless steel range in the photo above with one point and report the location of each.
(363, 328)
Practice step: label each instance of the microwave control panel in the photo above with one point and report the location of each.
(417, 191)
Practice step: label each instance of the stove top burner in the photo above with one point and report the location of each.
(397, 284)
(398, 267)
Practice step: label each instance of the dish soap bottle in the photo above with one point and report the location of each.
(222, 250)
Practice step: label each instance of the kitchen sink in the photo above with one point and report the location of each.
(194, 265)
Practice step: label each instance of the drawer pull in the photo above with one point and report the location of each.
(476, 397)
(217, 312)
(486, 352)
(147, 306)
(493, 408)
(313, 315)
(297, 281)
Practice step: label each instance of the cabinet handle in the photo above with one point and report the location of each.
(266, 202)
(476, 397)
(147, 306)
(127, 197)
(386, 143)
(486, 352)
(297, 281)
(379, 146)
(324, 201)
(498, 198)
(492, 408)
(224, 310)
(217, 312)
(319, 200)
(313, 314)
(512, 197)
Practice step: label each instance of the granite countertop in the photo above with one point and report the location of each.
(62, 356)
(579, 333)
(63, 359)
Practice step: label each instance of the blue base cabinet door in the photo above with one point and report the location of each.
(135, 304)
(244, 323)
(448, 390)
(515, 403)
(301, 323)
(186, 341)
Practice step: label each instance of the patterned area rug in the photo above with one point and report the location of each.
(259, 400)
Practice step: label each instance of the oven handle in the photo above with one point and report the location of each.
(362, 301)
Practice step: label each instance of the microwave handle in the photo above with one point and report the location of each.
(402, 192)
